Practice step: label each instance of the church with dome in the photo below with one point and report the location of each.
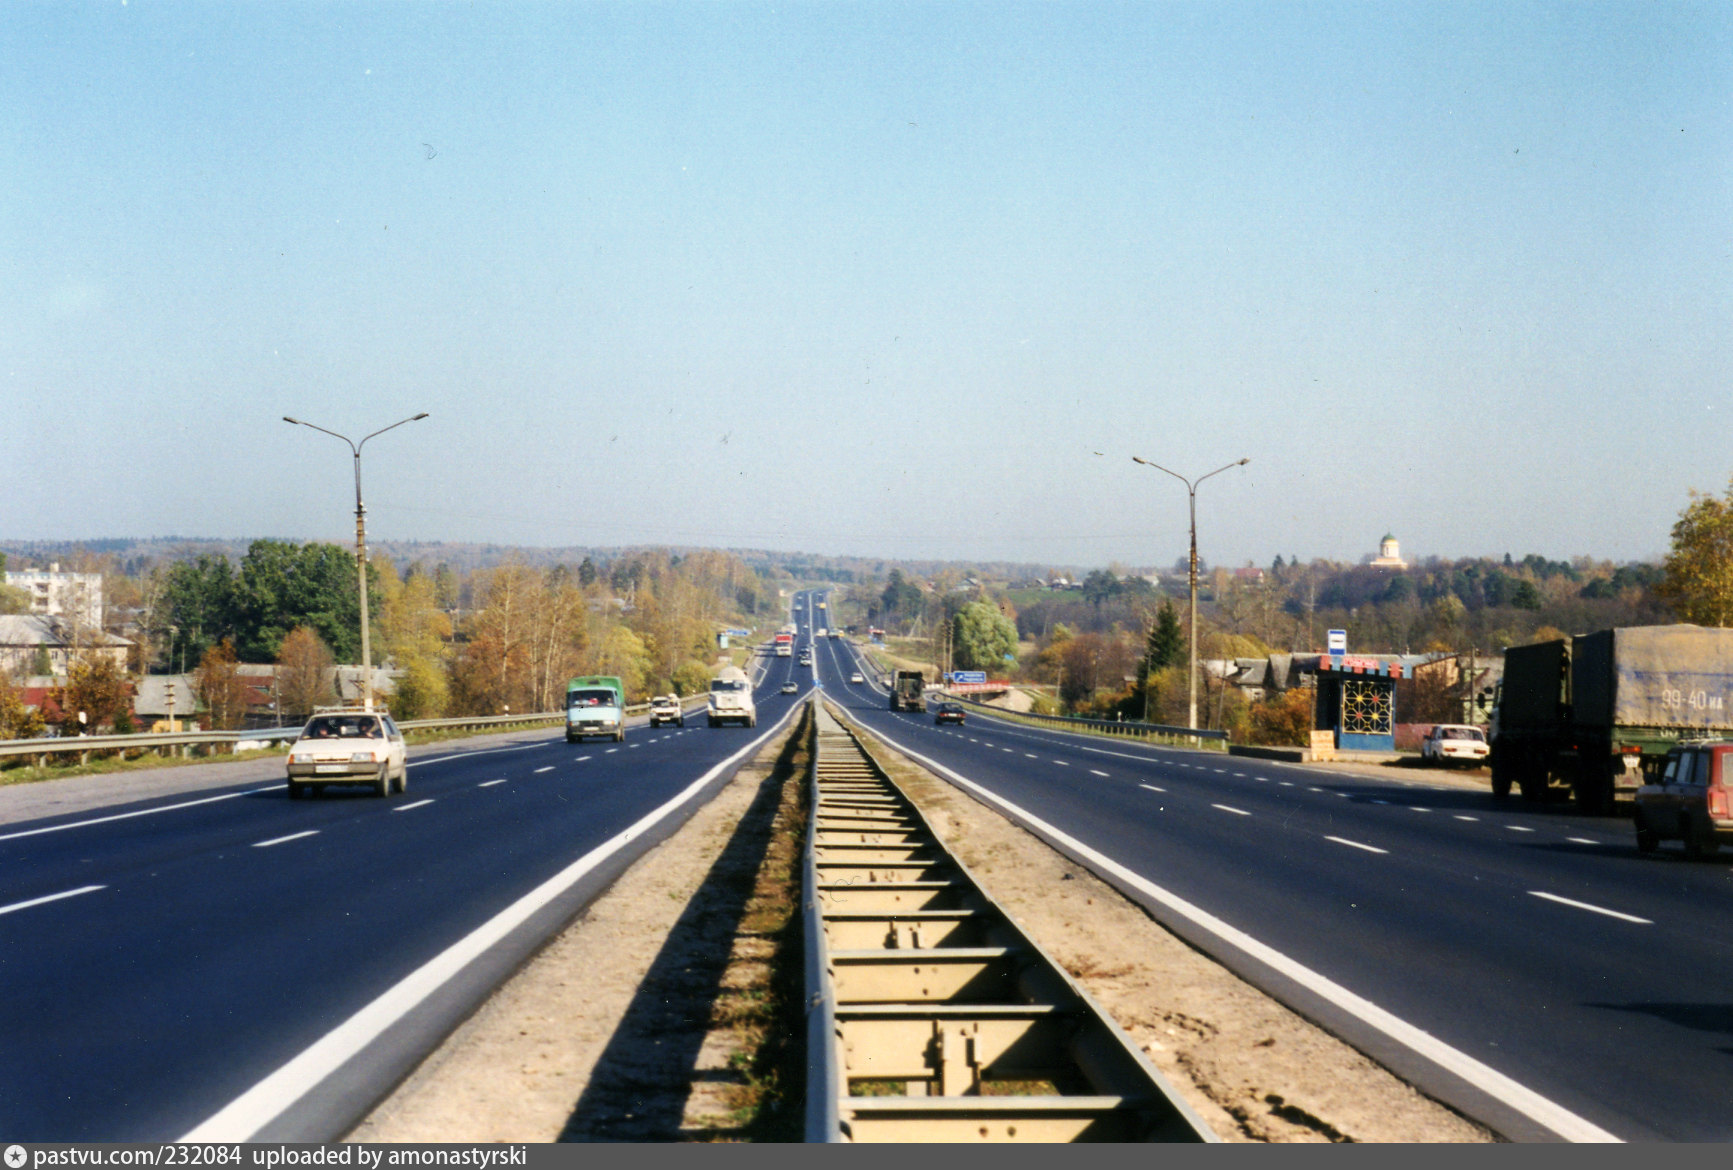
(1389, 554)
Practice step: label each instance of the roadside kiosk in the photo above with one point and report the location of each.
(1356, 702)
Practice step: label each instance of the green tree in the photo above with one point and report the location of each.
(197, 608)
(283, 585)
(982, 637)
(1165, 645)
(1698, 581)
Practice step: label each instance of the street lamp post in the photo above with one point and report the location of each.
(361, 543)
(1191, 490)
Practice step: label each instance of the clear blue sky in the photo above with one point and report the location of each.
(873, 279)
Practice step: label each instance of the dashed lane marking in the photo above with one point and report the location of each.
(1229, 808)
(290, 837)
(489, 783)
(1460, 817)
(1519, 828)
(53, 898)
(1593, 908)
(1096, 772)
(1152, 787)
(539, 771)
(412, 804)
(1356, 844)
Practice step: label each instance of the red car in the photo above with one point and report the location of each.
(949, 713)
(1690, 799)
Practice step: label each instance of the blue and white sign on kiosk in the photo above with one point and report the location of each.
(1337, 642)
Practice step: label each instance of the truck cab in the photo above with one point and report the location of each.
(595, 705)
(731, 699)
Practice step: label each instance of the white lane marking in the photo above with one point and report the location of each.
(1152, 788)
(1286, 783)
(1593, 908)
(1356, 844)
(633, 746)
(1417, 808)
(1004, 749)
(610, 751)
(412, 804)
(1220, 771)
(1229, 808)
(489, 783)
(1518, 1096)
(1460, 817)
(1062, 763)
(143, 812)
(1240, 775)
(241, 1118)
(1378, 800)
(50, 898)
(1519, 828)
(482, 752)
(580, 759)
(1093, 772)
(1262, 779)
(1582, 840)
(1030, 756)
(290, 837)
(1319, 791)
(539, 771)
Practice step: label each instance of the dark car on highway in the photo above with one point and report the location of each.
(949, 713)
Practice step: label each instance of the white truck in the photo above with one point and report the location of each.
(731, 699)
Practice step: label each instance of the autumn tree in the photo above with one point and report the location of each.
(16, 720)
(220, 686)
(98, 688)
(1699, 566)
(304, 673)
(415, 634)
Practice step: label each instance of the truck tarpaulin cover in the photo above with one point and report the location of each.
(1654, 676)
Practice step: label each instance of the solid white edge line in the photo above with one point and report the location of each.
(1355, 844)
(1592, 908)
(290, 837)
(1511, 1092)
(143, 812)
(50, 898)
(264, 1102)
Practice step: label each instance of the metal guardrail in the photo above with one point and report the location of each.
(180, 742)
(931, 1015)
(1129, 728)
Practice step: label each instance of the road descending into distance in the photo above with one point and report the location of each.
(234, 965)
(1535, 943)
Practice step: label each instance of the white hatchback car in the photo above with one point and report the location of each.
(349, 746)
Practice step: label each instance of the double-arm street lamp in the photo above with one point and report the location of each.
(361, 543)
(1191, 490)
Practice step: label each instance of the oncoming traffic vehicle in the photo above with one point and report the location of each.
(349, 746)
(595, 705)
(731, 699)
(1689, 798)
(666, 709)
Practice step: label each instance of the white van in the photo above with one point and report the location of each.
(731, 698)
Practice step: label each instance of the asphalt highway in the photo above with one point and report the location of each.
(234, 965)
(1585, 985)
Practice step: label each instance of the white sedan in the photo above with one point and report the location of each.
(1454, 743)
(857, 677)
